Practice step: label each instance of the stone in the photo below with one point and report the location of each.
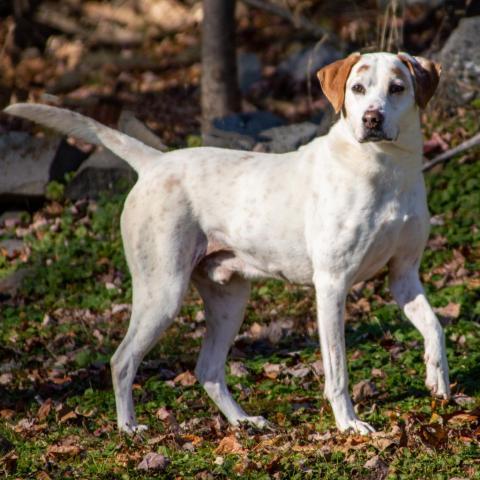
(249, 70)
(240, 131)
(265, 132)
(28, 164)
(307, 61)
(25, 163)
(460, 59)
(12, 218)
(287, 138)
(10, 284)
(11, 246)
(102, 171)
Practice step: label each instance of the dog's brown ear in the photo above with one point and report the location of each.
(333, 78)
(426, 75)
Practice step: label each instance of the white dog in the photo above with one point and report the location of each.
(330, 214)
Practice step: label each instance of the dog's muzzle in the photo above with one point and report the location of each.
(373, 127)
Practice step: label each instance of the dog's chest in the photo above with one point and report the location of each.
(378, 242)
(356, 231)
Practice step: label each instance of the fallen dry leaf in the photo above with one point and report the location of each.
(70, 415)
(153, 461)
(317, 367)
(450, 311)
(462, 399)
(272, 370)
(162, 413)
(435, 143)
(43, 476)
(7, 413)
(238, 369)
(6, 378)
(364, 390)
(463, 417)
(377, 372)
(194, 439)
(305, 448)
(376, 463)
(298, 371)
(63, 450)
(186, 379)
(228, 445)
(44, 409)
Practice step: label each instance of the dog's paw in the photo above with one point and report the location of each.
(437, 381)
(257, 422)
(356, 426)
(130, 429)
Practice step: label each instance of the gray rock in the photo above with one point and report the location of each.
(11, 284)
(11, 246)
(240, 131)
(11, 219)
(460, 59)
(304, 63)
(129, 124)
(102, 171)
(29, 163)
(25, 163)
(249, 70)
(265, 132)
(287, 138)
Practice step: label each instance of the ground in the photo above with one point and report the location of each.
(57, 415)
(58, 332)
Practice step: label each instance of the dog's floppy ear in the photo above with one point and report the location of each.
(333, 78)
(426, 75)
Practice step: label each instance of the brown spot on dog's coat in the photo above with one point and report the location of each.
(171, 182)
(363, 68)
(399, 73)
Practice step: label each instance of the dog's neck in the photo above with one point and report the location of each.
(380, 161)
(406, 148)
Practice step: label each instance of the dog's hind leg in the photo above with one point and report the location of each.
(151, 316)
(159, 254)
(224, 311)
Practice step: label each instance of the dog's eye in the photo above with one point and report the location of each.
(396, 88)
(359, 89)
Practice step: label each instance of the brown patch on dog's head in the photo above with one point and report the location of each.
(399, 73)
(363, 68)
(333, 78)
(426, 75)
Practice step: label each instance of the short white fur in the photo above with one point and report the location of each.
(330, 214)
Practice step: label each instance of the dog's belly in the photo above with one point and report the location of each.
(263, 260)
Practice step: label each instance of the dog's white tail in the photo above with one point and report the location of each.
(138, 155)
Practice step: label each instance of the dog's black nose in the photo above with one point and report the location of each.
(372, 119)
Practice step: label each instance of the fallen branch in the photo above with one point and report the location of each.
(443, 157)
(298, 21)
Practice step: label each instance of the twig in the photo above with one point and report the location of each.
(298, 21)
(443, 157)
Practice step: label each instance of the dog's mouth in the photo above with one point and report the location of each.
(375, 136)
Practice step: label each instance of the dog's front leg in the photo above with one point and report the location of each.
(331, 294)
(408, 292)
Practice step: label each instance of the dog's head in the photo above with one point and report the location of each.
(376, 93)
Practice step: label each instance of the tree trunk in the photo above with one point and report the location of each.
(220, 92)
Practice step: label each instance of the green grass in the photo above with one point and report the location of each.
(57, 336)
